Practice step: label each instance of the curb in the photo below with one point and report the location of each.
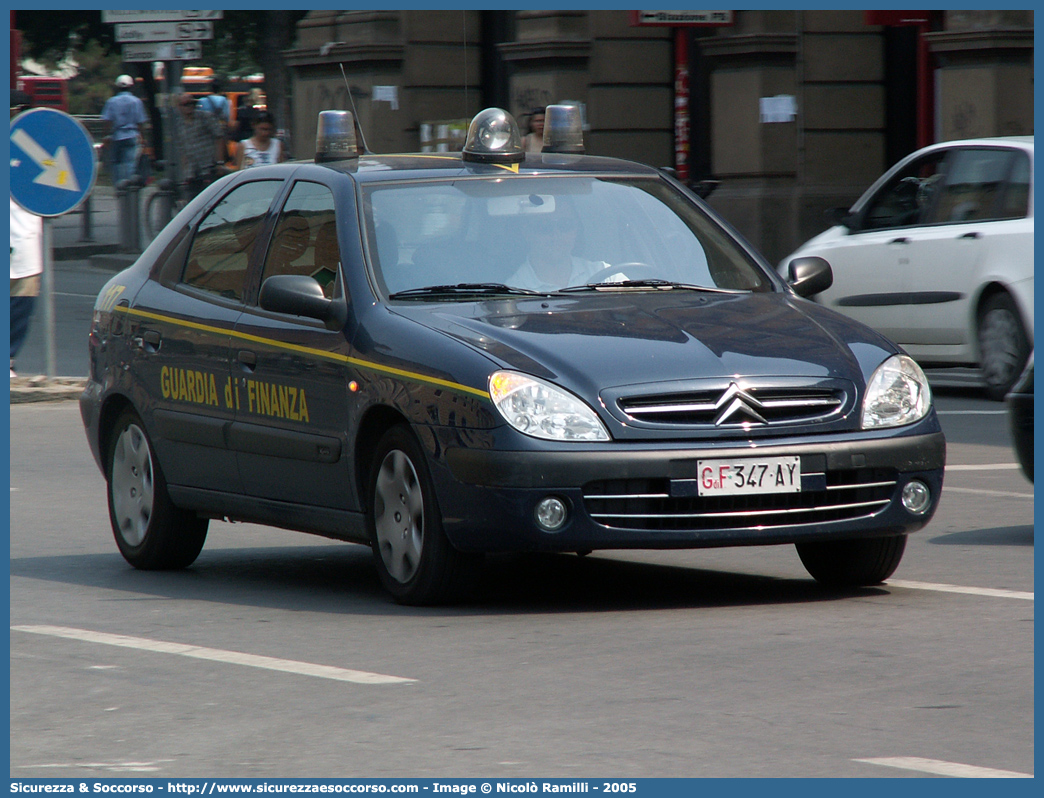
(83, 251)
(41, 389)
(113, 260)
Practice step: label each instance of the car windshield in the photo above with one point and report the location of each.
(438, 239)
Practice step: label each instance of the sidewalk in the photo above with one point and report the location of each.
(92, 232)
(40, 389)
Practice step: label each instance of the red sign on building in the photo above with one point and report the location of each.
(896, 17)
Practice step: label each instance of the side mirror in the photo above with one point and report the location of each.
(842, 216)
(809, 276)
(704, 188)
(301, 295)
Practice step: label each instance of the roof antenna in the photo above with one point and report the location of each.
(358, 124)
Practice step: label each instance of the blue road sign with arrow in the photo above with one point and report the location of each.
(53, 165)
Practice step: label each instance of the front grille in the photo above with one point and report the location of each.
(735, 408)
(648, 504)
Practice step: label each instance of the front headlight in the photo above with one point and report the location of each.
(543, 410)
(897, 394)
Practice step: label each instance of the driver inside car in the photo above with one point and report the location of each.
(551, 263)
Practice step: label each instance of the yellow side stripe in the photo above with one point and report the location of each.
(306, 350)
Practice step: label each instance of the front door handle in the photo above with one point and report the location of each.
(247, 359)
(972, 234)
(900, 240)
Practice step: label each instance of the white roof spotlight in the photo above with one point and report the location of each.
(493, 137)
(335, 137)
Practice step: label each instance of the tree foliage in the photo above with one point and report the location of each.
(244, 43)
(238, 46)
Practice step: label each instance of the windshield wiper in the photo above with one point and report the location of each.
(657, 284)
(463, 288)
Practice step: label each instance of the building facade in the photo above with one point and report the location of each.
(794, 112)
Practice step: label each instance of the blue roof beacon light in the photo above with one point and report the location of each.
(563, 130)
(335, 137)
(493, 137)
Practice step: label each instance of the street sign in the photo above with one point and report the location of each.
(163, 51)
(53, 166)
(698, 19)
(164, 31)
(159, 16)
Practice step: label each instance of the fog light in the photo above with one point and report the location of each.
(551, 514)
(916, 497)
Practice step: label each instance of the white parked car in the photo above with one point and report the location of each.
(938, 256)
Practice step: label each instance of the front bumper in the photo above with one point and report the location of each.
(623, 496)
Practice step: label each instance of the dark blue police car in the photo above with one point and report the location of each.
(442, 355)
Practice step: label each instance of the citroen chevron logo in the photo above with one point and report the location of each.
(737, 401)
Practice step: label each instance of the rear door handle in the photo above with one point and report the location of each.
(247, 359)
(972, 234)
(900, 240)
(148, 340)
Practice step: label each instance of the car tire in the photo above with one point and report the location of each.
(415, 561)
(852, 563)
(1003, 344)
(151, 533)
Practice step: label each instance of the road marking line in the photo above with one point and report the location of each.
(971, 591)
(942, 768)
(115, 767)
(215, 655)
(980, 492)
(971, 412)
(984, 467)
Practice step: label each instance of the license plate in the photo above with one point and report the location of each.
(749, 476)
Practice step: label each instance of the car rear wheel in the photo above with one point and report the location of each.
(1003, 344)
(151, 533)
(852, 563)
(414, 558)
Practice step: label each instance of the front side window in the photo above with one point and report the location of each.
(907, 199)
(548, 233)
(305, 238)
(221, 250)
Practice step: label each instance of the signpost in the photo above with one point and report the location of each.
(160, 15)
(164, 35)
(162, 51)
(53, 169)
(164, 31)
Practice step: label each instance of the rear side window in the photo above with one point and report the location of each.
(976, 181)
(221, 250)
(1014, 202)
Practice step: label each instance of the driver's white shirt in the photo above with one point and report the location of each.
(581, 271)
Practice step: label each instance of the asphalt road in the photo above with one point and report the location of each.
(76, 285)
(724, 663)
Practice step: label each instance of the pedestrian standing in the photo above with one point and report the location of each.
(261, 148)
(199, 142)
(125, 115)
(26, 268)
(217, 104)
(534, 139)
(26, 256)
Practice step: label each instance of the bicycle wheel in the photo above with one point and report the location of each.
(160, 207)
